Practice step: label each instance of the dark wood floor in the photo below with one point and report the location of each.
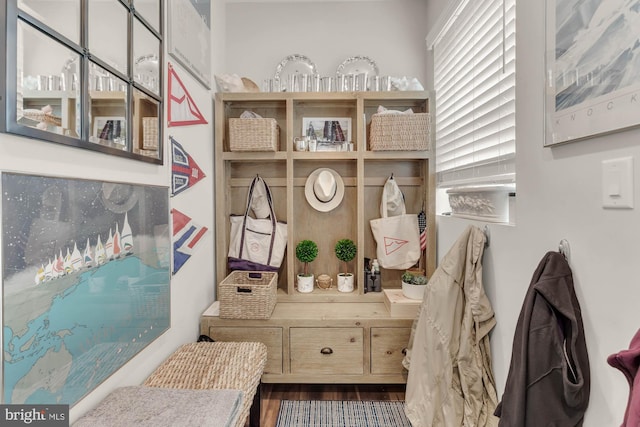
(273, 394)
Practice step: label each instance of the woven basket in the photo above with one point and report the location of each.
(253, 134)
(391, 132)
(214, 365)
(150, 133)
(248, 295)
(39, 116)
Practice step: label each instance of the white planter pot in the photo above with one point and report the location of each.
(345, 282)
(413, 291)
(305, 283)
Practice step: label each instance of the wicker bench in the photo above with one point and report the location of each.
(219, 366)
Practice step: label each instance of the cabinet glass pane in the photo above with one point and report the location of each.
(146, 51)
(61, 15)
(108, 32)
(108, 109)
(146, 135)
(150, 11)
(44, 99)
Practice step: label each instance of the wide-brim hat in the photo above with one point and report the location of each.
(324, 189)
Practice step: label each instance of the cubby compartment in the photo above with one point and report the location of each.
(265, 108)
(325, 228)
(411, 176)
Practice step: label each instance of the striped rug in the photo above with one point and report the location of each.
(341, 413)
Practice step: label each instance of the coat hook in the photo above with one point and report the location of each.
(565, 249)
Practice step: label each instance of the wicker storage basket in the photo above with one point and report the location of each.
(253, 135)
(399, 132)
(149, 133)
(248, 295)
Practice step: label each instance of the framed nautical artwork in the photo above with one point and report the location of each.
(85, 282)
(328, 129)
(593, 81)
(110, 128)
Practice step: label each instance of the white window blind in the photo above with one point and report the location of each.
(474, 79)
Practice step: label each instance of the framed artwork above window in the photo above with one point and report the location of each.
(73, 63)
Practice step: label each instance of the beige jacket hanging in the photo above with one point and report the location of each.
(450, 380)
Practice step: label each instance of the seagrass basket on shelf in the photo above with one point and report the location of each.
(390, 132)
(248, 295)
(253, 134)
(40, 116)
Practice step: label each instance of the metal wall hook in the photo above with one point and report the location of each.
(565, 249)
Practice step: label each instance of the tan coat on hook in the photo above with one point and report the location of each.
(450, 380)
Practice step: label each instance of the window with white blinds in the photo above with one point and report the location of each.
(474, 80)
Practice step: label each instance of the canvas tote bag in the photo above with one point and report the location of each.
(397, 237)
(257, 244)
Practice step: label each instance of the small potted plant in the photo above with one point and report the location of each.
(413, 285)
(345, 251)
(306, 252)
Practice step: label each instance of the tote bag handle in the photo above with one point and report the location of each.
(272, 216)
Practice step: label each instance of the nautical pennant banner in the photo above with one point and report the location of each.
(185, 172)
(182, 110)
(186, 235)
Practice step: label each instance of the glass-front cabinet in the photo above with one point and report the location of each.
(85, 73)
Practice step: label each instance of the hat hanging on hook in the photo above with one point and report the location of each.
(324, 189)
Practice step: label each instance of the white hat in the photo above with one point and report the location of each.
(392, 199)
(260, 202)
(324, 189)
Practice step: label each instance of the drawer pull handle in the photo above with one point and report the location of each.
(326, 350)
(404, 351)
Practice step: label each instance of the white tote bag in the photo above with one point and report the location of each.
(397, 237)
(257, 244)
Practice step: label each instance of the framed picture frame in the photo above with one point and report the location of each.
(89, 280)
(328, 129)
(592, 81)
(110, 128)
(189, 20)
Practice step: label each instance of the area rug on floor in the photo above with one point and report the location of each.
(341, 413)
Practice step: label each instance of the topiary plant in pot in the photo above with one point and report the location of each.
(413, 285)
(306, 252)
(345, 251)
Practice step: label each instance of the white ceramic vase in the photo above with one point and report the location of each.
(305, 283)
(345, 282)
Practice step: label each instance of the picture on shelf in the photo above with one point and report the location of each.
(110, 129)
(335, 130)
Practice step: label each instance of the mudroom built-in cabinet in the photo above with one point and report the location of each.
(325, 336)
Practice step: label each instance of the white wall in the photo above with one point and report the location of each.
(558, 197)
(259, 35)
(192, 288)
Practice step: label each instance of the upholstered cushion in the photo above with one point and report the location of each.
(142, 406)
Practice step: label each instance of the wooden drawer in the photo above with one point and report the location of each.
(387, 349)
(332, 351)
(271, 337)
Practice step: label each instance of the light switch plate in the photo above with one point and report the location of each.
(617, 183)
